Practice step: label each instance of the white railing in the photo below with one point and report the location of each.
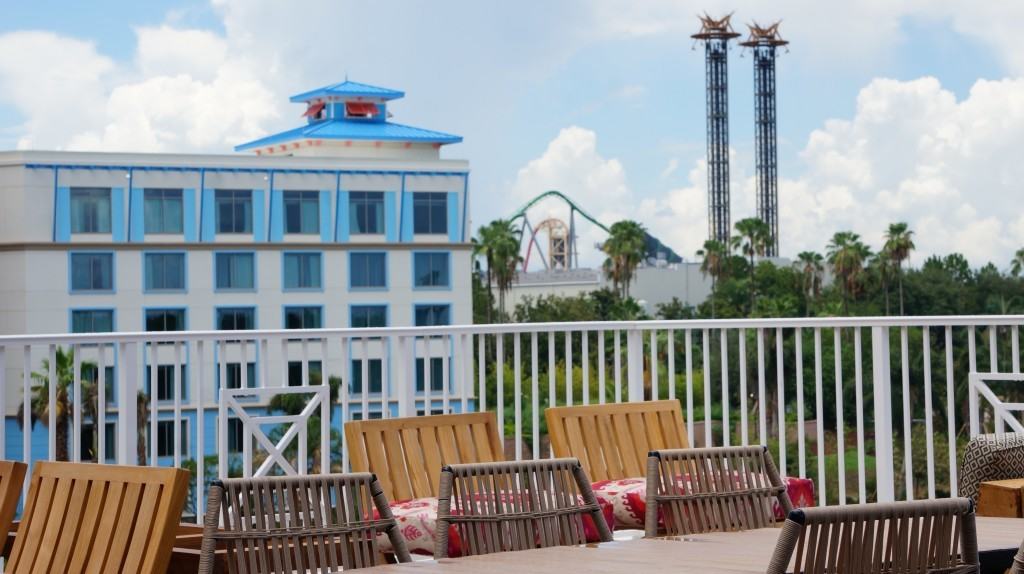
(857, 394)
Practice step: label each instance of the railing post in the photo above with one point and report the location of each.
(883, 414)
(405, 373)
(128, 414)
(972, 403)
(634, 365)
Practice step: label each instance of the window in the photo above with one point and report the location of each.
(295, 373)
(236, 319)
(307, 317)
(165, 375)
(235, 438)
(303, 270)
(358, 416)
(90, 448)
(369, 316)
(234, 210)
(432, 315)
(366, 211)
(165, 320)
(302, 212)
(165, 271)
(91, 374)
(430, 270)
(236, 270)
(92, 271)
(165, 438)
(90, 210)
(233, 372)
(375, 374)
(163, 211)
(368, 270)
(430, 212)
(436, 374)
(92, 321)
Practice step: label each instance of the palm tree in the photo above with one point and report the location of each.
(751, 240)
(899, 242)
(810, 264)
(1017, 264)
(846, 254)
(713, 257)
(883, 262)
(39, 402)
(625, 248)
(498, 243)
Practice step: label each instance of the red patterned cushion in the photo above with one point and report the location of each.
(417, 521)
(628, 498)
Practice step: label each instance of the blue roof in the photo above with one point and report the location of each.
(348, 89)
(349, 130)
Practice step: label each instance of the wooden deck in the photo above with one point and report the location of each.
(715, 553)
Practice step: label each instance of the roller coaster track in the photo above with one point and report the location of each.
(572, 205)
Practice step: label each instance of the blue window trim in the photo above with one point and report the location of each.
(255, 315)
(284, 313)
(387, 311)
(387, 274)
(319, 289)
(255, 273)
(71, 316)
(113, 272)
(146, 310)
(163, 252)
(419, 304)
(412, 269)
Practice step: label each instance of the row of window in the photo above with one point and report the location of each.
(244, 318)
(164, 211)
(94, 271)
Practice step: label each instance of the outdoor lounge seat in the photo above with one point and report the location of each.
(925, 537)
(712, 489)
(286, 524)
(612, 442)
(990, 457)
(99, 518)
(12, 478)
(508, 506)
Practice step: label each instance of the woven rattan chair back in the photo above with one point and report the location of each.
(612, 440)
(506, 506)
(99, 518)
(12, 478)
(719, 489)
(316, 523)
(1018, 561)
(407, 453)
(917, 537)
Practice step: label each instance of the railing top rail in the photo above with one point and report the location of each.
(508, 328)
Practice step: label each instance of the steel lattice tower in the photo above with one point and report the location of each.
(762, 42)
(715, 34)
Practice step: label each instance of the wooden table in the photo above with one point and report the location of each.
(716, 553)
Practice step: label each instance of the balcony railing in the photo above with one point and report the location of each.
(870, 408)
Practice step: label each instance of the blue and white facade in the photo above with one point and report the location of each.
(347, 221)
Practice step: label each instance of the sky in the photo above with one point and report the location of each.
(888, 110)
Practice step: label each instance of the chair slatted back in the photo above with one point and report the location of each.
(507, 506)
(906, 537)
(612, 440)
(99, 518)
(314, 523)
(12, 477)
(407, 454)
(719, 489)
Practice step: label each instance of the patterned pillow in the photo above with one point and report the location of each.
(417, 522)
(628, 498)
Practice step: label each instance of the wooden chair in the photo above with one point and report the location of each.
(407, 454)
(612, 440)
(506, 506)
(100, 518)
(316, 523)
(927, 536)
(712, 489)
(12, 477)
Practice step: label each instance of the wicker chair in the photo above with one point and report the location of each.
(316, 523)
(712, 489)
(1018, 561)
(506, 506)
(927, 536)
